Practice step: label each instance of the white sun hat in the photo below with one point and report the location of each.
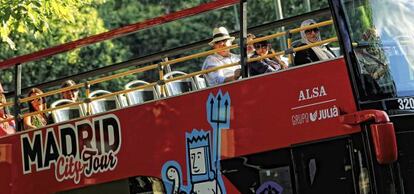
(220, 34)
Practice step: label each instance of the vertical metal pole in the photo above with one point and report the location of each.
(88, 99)
(308, 5)
(243, 38)
(279, 16)
(167, 68)
(17, 94)
(236, 16)
(289, 44)
(161, 83)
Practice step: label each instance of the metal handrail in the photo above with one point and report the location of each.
(53, 92)
(135, 62)
(201, 72)
(181, 59)
(165, 81)
(300, 48)
(50, 109)
(7, 104)
(139, 70)
(202, 54)
(317, 25)
(6, 120)
(295, 30)
(124, 91)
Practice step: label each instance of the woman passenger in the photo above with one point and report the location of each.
(9, 127)
(265, 65)
(38, 104)
(250, 46)
(316, 53)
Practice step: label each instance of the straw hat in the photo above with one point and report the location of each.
(220, 34)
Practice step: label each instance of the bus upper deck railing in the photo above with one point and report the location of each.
(163, 81)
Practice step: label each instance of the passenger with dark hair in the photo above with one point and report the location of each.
(38, 104)
(264, 65)
(8, 127)
(70, 94)
(250, 46)
(316, 53)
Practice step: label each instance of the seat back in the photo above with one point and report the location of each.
(123, 100)
(179, 86)
(66, 113)
(200, 81)
(140, 95)
(104, 104)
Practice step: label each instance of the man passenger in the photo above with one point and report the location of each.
(70, 94)
(221, 39)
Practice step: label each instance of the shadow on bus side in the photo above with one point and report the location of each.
(132, 185)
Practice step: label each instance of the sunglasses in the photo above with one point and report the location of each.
(316, 30)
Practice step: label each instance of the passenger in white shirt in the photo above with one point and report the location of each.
(221, 38)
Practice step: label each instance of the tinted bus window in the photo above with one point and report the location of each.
(383, 45)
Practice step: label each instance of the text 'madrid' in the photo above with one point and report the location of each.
(83, 148)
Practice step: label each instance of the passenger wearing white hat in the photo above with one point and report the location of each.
(221, 39)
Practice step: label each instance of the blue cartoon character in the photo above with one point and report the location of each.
(201, 175)
(203, 159)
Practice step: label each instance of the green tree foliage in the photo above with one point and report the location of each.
(34, 16)
(87, 23)
(166, 36)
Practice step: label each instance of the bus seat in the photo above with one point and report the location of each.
(123, 100)
(104, 104)
(179, 86)
(66, 113)
(140, 95)
(200, 81)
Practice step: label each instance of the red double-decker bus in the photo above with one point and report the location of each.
(341, 125)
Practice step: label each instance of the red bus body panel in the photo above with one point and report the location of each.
(267, 112)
